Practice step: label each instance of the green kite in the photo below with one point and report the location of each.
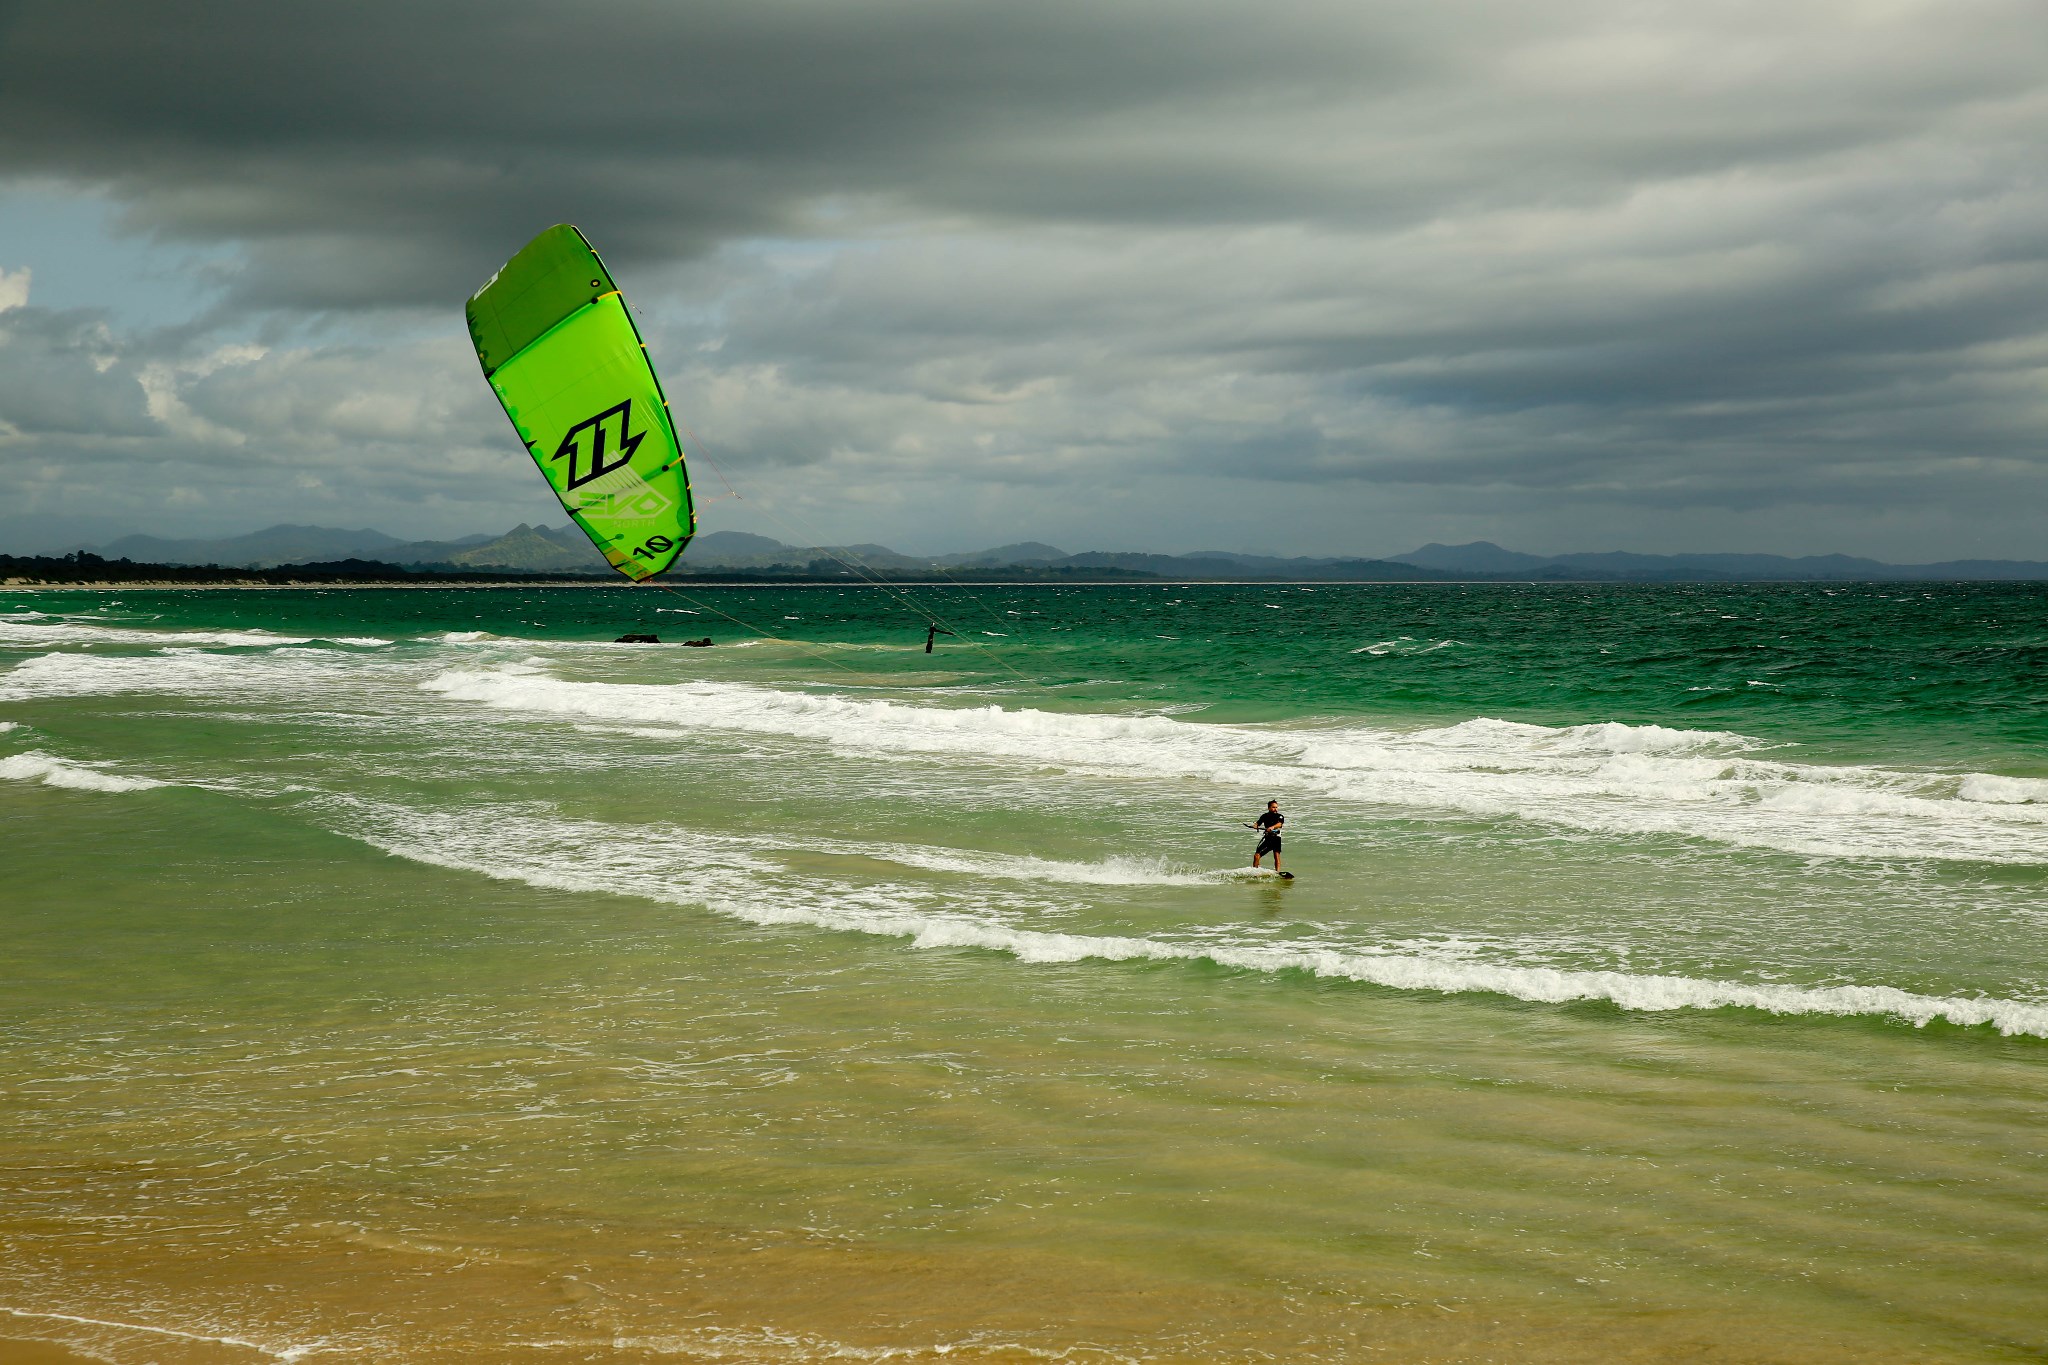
(561, 352)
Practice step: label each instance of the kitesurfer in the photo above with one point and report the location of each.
(1268, 824)
(933, 632)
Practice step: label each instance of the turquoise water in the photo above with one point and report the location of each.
(414, 974)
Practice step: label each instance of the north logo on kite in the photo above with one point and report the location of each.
(611, 443)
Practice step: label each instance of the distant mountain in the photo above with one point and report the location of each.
(1481, 556)
(735, 547)
(739, 550)
(565, 550)
(273, 545)
(1240, 564)
(874, 557)
(535, 549)
(1023, 552)
(426, 551)
(1219, 564)
(529, 549)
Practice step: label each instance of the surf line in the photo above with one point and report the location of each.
(1538, 985)
(1394, 971)
(285, 1353)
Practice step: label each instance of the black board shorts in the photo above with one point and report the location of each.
(1269, 844)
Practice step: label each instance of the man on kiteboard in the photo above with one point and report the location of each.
(1268, 825)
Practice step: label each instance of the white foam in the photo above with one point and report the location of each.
(852, 722)
(1113, 871)
(1608, 778)
(1847, 799)
(691, 868)
(1508, 737)
(37, 635)
(1627, 780)
(1629, 990)
(2003, 790)
(52, 771)
(276, 673)
(286, 1354)
(1405, 644)
(762, 1345)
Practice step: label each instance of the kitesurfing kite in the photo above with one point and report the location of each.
(560, 350)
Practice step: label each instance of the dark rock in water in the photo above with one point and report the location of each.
(704, 643)
(638, 640)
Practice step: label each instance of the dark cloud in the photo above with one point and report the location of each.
(373, 152)
(1742, 271)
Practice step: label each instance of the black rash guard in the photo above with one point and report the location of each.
(1269, 824)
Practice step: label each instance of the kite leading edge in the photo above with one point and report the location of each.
(561, 352)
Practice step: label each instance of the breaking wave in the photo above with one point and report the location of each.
(1608, 778)
(52, 771)
(724, 876)
(21, 634)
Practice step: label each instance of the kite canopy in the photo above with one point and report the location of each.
(560, 350)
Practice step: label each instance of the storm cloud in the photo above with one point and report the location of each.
(1328, 278)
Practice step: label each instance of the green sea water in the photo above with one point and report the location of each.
(415, 975)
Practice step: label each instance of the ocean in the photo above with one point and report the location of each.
(414, 975)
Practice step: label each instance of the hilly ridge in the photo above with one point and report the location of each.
(564, 550)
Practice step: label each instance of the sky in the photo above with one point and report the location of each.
(1286, 277)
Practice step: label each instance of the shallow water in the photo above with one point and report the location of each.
(412, 975)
